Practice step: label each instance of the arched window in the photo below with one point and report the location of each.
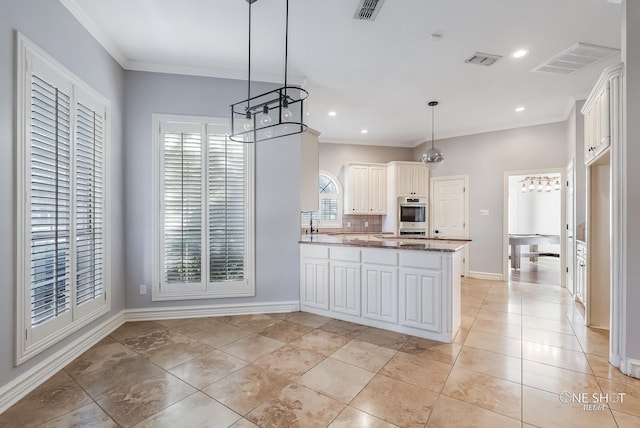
(330, 213)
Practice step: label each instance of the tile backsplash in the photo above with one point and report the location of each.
(355, 223)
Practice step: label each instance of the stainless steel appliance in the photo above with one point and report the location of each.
(412, 216)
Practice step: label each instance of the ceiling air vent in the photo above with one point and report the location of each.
(577, 57)
(367, 10)
(483, 59)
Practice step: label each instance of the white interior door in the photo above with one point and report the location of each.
(449, 210)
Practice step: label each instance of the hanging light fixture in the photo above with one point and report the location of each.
(523, 189)
(532, 186)
(273, 114)
(556, 186)
(433, 157)
(540, 186)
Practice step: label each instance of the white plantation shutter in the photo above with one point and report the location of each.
(183, 200)
(50, 196)
(205, 200)
(62, 249)
(89, 205)
(226, 209)
(330, 213)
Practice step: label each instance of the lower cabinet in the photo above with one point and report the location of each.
(581, 272)
(412, 292)
(380, 293)
(314, 283)
(421, 298)
(345, 287)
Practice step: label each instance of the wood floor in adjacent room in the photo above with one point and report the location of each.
(522, 347)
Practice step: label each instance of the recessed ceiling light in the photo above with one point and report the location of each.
(519, 109)
(520, 53)
(332, 113)
(364, 131)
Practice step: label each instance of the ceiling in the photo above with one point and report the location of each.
(376, 75)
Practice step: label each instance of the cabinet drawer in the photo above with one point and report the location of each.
(314, 251)
(346, 254)
(380, 257)
(421, 259)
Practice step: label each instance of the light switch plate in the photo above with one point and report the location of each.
(484, 212)
(143, 288)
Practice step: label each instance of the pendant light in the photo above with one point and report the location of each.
(433, 157)
(273, 114)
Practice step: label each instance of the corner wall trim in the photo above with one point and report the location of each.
(177, 312)
(16, 389)
(13, 391)
(490, 276)
(631, 367)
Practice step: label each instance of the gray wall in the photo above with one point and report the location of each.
(334, 156)
(485, 157)
(631, 85)
(277, 168)
(48, 24)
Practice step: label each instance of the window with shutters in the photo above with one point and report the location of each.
(204, 224)
(61, 175)
(330, 213)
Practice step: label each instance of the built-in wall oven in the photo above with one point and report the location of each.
(412, 216)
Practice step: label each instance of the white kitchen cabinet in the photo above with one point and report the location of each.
(380, 292)
(404, 179)
(314, 277)
(408, 291)
(345, 287)
(581, 272)
(365, 189)
(411, 178)
(421, 297)
(309, 171)
(601, 109)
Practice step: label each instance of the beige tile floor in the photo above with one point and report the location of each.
(520, 347)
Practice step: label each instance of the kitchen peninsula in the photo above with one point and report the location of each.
(410, 286)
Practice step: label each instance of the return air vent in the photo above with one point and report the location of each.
(576, 58)
(367, 10)
(483, 59)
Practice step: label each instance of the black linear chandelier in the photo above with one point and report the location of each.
(434, 156)
(274, 114)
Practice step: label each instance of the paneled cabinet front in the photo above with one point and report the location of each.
(380, 293)
(421, 299)
(365, 189)
(345, 287)
(314, 278)
(412, 179)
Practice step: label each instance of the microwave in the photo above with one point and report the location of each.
(412, 216)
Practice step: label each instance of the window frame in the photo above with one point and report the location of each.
(337, 224)
(32, 340)
(204, 289)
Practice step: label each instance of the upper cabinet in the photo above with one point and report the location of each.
(309, 171)
(601, 110)
(411, 178)
(365, 188)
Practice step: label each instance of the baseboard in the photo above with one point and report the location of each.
(485, 275)
(13, 391)
(178, 312)
(631, 367)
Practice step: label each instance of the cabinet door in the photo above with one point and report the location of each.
(357, 195)
(421, 302)
(588, 135)
(377, 190)
(419, 180)
(404, 180)
(345, 287)
(314, 283)
(380, 293)
(603, 137)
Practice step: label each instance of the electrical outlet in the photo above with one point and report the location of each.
(348, 224)
(366, 224)
(143, 288)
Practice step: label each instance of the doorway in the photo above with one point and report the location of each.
(534, 243)
(449, 211)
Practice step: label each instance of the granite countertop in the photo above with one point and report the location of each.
(385, 241)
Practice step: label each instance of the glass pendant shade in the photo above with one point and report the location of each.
(433, 157)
